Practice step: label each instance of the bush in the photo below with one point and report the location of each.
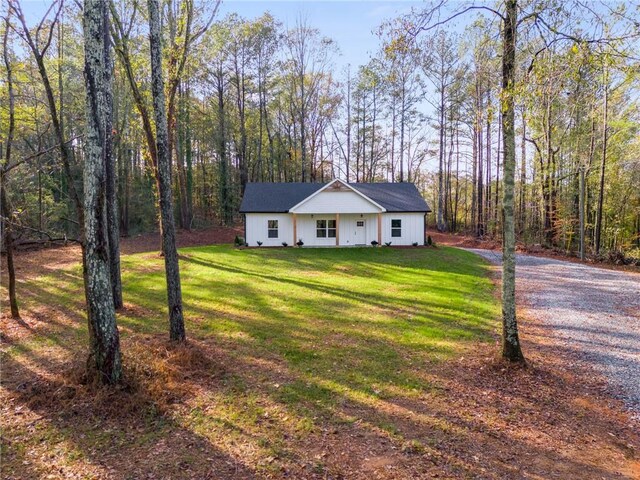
(285, 244)
(259, 243)
(429, 240)
(387, 244)
(239, 241)
(374, 243)
(299, 243)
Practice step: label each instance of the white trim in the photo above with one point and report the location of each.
(293, 209)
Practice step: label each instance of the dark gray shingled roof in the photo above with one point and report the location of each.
(280, 197)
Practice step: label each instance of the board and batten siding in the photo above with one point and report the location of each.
(332, 202)
(256, 225)
(350, 234)
(412, 229)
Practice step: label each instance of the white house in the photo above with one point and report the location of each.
(333, 214)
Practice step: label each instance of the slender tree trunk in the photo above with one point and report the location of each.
(172, 269)
(104, 354)
(348, 156)
(523, 178)
(441, 198)
(511, 349)
(393, 141)
(487, 196)
(480, 187)
(113, 223)
(581, 211)
(7, 211)
(188, 153)
(474, 174)
(224, 191)
(605, 132)
(8, 245)
(497, 189)
(402, 119)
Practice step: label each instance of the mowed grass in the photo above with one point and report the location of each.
(296, 340)
(346, 319)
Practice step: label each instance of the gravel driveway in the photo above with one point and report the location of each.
(595, 312)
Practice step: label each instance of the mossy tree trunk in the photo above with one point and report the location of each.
(172, 270)
(104, 339)
(510, 342)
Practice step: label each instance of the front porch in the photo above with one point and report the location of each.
(339, 229)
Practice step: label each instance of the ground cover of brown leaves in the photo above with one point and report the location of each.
(481, 419)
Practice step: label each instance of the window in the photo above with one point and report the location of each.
(396, 228)
(325, 229)
(272, 228)
(360, 223)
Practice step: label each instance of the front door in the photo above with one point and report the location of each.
(359, 233)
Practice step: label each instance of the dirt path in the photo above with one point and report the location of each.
(595, 313)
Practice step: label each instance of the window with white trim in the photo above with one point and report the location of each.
(325, 229)
(396, 227)
(272, 228)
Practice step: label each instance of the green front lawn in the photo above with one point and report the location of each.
(343, 319)
(291, 342)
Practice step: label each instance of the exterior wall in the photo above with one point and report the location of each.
(257, 231)
(348, 229)
(331, 202)
(412, 228)
(306, 229)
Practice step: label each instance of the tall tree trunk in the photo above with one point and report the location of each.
(178, 146)
(441, 198)
(487, 197)
(9, 247)
(603, 163)
(581, 211)
(7, 211)
(402, 120)
(510, 340)
(348, 155)
(188, 153)
(474, 174)
(225, 188)
(104, 355)
(172, 269)
(497, 189)
(480, 178)
(522, 217)
(113, 223)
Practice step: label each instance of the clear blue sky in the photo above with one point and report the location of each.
(350, 23)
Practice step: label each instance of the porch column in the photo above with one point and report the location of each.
(337, 229)
(295, 230)
(379, 229)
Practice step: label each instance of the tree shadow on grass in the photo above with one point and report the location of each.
(105, 432)
(276, 392)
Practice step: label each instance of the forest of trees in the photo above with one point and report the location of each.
(251, 100)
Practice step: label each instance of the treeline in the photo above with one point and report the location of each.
(250, 100)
